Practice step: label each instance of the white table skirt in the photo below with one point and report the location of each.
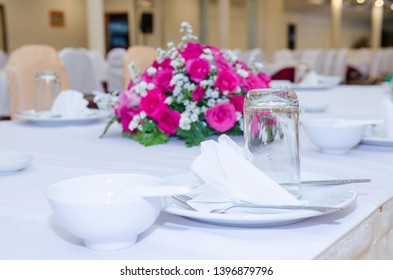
(29, 231)
(4, 96)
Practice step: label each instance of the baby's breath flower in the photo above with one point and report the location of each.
(151, 71)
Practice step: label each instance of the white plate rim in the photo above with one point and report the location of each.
(377, 140)
(260, 220)
(95, 114)
(317, 87)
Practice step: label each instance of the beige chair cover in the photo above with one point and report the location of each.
(21, 68)
(141, 56)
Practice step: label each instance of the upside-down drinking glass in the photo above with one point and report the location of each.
(271, 132)
(47, 87)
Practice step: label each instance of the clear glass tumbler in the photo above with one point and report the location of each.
(271, 132)
(47, 87)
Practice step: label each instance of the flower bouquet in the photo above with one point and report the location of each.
(191, 91)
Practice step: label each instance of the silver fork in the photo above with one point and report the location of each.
(323, 209)
(182, 200)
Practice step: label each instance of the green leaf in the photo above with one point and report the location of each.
(150, 134)
(235, 130)
(197, 133)
(108, 125)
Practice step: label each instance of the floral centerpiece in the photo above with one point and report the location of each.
(191, 91)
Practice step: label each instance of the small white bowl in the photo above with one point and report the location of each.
(334, 136)
(97, 209)
(13, 162)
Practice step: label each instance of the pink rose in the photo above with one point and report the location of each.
(227, 81)
(127, 99)
(126, 116)
(253, 82)
(167, 119)
(198, 93)
(165, 64)
(151, 101)
(238, 102)
(222, 63)
(267, 79)
(162, 80)
(243, 65)
(192, 51)
(221, 117)
(198, 69)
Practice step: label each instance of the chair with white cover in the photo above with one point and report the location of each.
(340, 64)
(328, 62)
(255, 55)
(99, 64)
(375, 68)
(387, 60)
(22, 67)
(284, 56)
(312, 58)
(141, 56)
(82, 73)
(114, 71)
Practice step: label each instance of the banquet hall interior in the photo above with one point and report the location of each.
(336, 55)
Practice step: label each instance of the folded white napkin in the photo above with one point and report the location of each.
(228, 176)
(314, 79)
(311, 79)
(70, 104)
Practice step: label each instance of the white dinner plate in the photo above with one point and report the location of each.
(314, 107)
(375, 135)
(46, 118)
(12, 162)
(316, 87)
(377, 140)
(333, 196)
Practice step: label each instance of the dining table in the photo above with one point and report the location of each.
(62, 150)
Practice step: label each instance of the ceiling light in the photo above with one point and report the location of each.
(360, 1)
(378, 3)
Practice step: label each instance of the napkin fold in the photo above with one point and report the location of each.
(70, 104)
(228, 176)
(311, 79)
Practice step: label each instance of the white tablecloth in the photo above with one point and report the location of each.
(29, 231)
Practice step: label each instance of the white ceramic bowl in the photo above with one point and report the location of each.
(334, 136)
(92, 208)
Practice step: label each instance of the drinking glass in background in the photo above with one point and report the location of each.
(271, 132)
(47, 88)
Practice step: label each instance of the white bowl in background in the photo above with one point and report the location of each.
(14, 161)
(107, 211)
(334, 136)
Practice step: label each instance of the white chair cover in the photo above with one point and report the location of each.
(312, 58)
(81, 72)
(340, 64)
(387, 60)
(114, 73)
(375, 67)
(328, 62)
(284, 56)
(99, 64)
